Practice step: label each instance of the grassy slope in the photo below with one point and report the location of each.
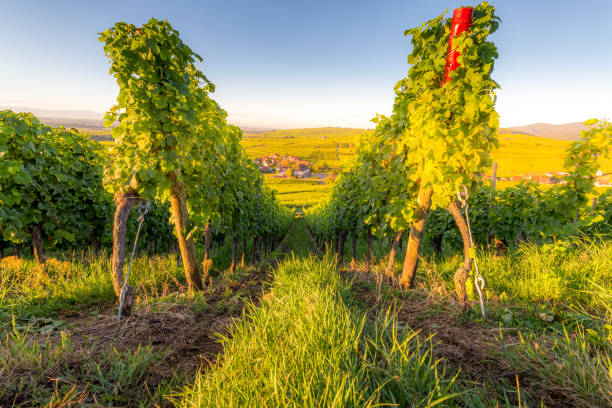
(59, 322)
(549, 320)
(309, 345)
(318, 340)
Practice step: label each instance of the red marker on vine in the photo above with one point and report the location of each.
(462, 21)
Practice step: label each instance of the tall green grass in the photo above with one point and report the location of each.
(30, 290)
(306, 346)
(581, 275)
(577, 277)
(576, 367)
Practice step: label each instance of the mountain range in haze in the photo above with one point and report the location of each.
(90, 120)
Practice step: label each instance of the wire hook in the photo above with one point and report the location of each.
(463, 195)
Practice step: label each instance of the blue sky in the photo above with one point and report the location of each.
(311, 63)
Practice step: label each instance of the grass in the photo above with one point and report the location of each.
(564, 285)
(63, 287)
(576, 276)
(28, 365)
(575, 366)
(555, 300)
(61, 346)
(306, 346)
(317, 337)
(28, 290)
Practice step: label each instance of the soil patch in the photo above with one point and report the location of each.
(471, 347)
(184, 332)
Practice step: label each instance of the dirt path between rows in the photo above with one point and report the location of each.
(186, 333)
(467, 346)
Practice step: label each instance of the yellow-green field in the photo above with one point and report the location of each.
(517, 154)
(330, 145)
(299, 192)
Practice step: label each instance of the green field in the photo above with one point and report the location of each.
(299, 192)
(519, 154)
(330, 145)
(516, 155)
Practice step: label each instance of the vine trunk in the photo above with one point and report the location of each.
(124, 203)
(389, 271)
(416, 236)
(180, 214)
(461, 276)
(37, 244)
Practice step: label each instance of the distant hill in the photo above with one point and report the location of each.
(88, 121)
(567, 131)
(91, 122)
(313, 133)
(59, 113)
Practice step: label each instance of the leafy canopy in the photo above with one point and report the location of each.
(163, 100)
(49, 179)
(437, 136)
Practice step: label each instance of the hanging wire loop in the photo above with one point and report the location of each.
(463, 196)
(143, 209)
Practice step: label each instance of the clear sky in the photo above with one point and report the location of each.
(310, 63)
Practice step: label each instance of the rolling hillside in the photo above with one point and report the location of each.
(537, 147)
(517, 154)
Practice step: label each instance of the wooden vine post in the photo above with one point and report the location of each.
(462, 20)
(491, 234)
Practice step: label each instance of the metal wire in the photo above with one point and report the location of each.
(143, 209)
(479, 282)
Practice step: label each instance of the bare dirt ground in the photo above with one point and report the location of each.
(186, 333)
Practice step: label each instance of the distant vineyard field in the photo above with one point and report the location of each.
(330, 145)
(517, 154)
(299, 192)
